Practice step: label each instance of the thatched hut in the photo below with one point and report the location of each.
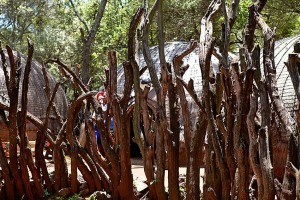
(193, 72)
(279, 139)
(37, 99)
(284, 83)
(171, 50)
(285, 88)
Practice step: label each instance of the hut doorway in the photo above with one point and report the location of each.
(134, 148)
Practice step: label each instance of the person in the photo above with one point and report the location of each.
(102, 99)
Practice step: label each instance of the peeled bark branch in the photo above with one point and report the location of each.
(294, 172)
(13, 93)
(206, 48)
(51, 97)
(270, 73)
(72, 112)
(194, 138)
(230, 17)
(160, 90)
(264, 147)
(119, 110)
(288, 184)
(72, 73)
(253, 145)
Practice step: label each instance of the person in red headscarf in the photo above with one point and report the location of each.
(102, 99)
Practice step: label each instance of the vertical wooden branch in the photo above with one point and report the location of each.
(253, 137)
(24, 100)
(13, 92)
(61, 171)
(289, 184)
(230, 102)
(293, 66)
(136, 76)
(145, 45)
(160, 95)
(194, 136)
(248, 32)
(172, 140)
(149, 143)
(9, 186)
(25, 147)
(102, 166)
(206, 49)
(253, 146)
(72, 112)
(119, 109)
(48, 94)
(270, 73)
(230, 17)
(264, 147)
(242, 86)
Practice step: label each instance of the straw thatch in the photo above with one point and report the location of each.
(285, 88)
(287, 93)
(282, 49)
(284, 83)
(193, 72)
(37, 99)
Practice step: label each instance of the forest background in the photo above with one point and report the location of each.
(59, 27)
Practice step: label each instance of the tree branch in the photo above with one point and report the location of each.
(97, 21)
(79, 17)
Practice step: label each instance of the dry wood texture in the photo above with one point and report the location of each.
(230, 107)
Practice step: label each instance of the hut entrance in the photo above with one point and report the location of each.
(134, 148)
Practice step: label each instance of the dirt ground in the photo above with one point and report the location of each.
(140, 178)
(138, 173)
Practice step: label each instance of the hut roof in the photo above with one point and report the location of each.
(37, 99)
(284, 83)
(282, 49)
(172, 49)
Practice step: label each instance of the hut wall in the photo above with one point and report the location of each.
(31, 130)
(37, 98)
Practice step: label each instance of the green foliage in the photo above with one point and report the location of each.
(74, 197)
(113, 32)
(284, 15)
(54, 27)
(181, 20)
(92, 197)
(46, 193)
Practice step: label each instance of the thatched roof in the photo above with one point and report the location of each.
(285, 87)
(171, 50)
(282, 49)
(37, 99)
(284, 83)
